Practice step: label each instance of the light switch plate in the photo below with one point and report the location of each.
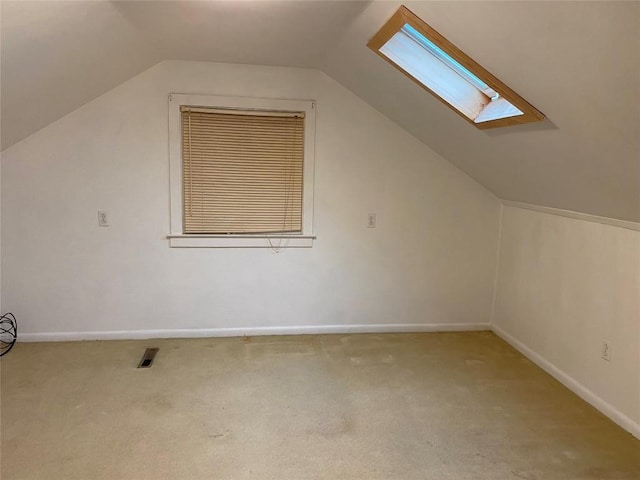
(103, 220)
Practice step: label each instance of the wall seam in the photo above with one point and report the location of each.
(587, 217)
(497, 270)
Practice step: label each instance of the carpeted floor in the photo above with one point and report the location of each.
(396, 406)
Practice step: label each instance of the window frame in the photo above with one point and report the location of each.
(177, 237)
(405, 16)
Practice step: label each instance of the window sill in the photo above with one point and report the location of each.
(241, 241)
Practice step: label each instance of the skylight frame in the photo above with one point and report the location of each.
(404, 16)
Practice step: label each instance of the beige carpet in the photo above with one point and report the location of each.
(416, 406)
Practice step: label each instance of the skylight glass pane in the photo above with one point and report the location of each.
(442, 74)
(448, 60)
(433, 73)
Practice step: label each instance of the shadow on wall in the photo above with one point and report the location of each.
(546, 124)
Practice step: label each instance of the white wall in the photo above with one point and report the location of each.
(430, 261)
(564, 285)
(1, 311)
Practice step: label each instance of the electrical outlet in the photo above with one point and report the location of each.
(605, 351)
(103, 220)
(371, 222)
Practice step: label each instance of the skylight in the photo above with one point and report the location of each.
(437, 65)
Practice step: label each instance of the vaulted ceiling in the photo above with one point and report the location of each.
(577, 62)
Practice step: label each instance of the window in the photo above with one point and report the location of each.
(241, 171)
(438, 66)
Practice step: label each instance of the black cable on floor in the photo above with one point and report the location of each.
(8, 333)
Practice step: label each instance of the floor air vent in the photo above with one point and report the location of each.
(147, 358)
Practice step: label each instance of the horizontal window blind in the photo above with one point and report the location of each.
(242, 171)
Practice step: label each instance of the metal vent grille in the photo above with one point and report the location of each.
(148, 357)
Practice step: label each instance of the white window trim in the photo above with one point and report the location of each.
(179, 239)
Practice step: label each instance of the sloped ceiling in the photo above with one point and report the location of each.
(577, 62)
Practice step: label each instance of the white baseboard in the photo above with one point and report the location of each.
(572, 384)
(251, 331)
